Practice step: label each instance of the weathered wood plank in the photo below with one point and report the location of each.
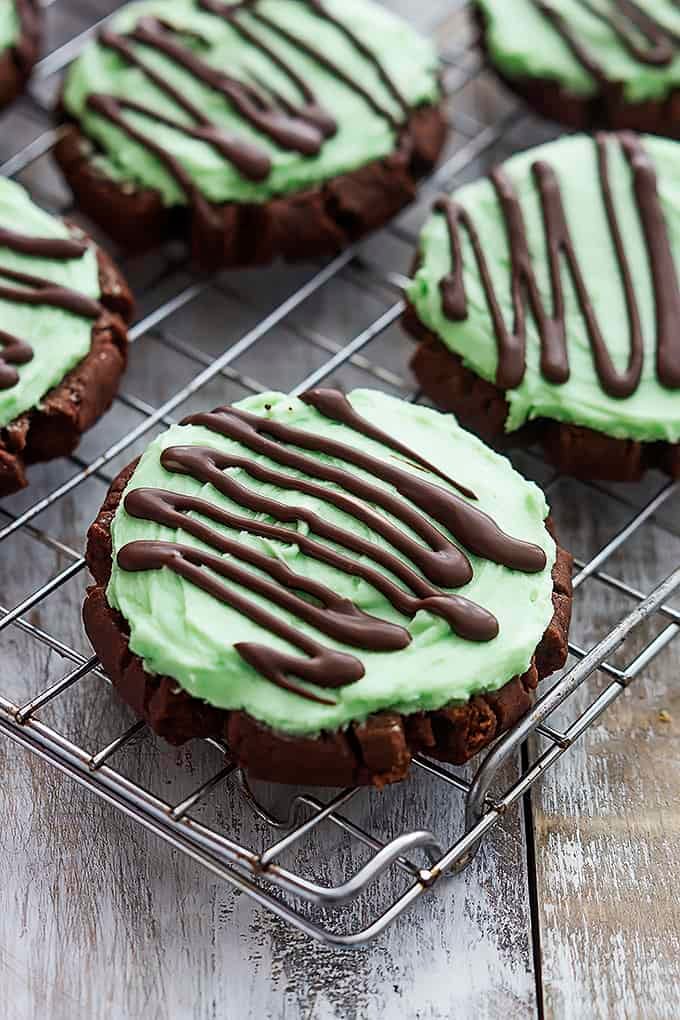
(607, 821)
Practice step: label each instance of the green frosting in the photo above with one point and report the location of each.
(180, 631)
(523, 42)
(362, 136)
(59, 339)
(9, 24)
(653, 411)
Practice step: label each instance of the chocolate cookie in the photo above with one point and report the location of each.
(588, 63)
(255, 129)
(20, 36)
(307, 578)
(63, 341)
(547, 302)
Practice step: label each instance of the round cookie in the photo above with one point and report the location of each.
(590, 63)
(20, 36)
(256, 129)
(547, 301)
(63, 341)
(332, 583)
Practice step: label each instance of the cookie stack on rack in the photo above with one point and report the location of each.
(335, 583)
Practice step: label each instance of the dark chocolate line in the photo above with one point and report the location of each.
(312, 111)
(57, 248)
(336, 617)
(252, 161)
(29, 33)
(289, 132)
(560, 244)
(323, 666)
(524, 287)
(326, 63)
(511, 349)
(230, 12)
(170, 509)
(475, 529)
(299, 127)
(628, 15)
(13, 352)
(37, 291)
(388, 81)
(335, 405)
(662, 260)
(111, 109)
(440, 560)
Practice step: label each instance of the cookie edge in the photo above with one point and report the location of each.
(607, 110)
(482, 407)
(375, 752)
(306, 224)
(54, 427)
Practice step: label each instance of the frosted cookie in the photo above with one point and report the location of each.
(603, 63)
(547, 302)
(331, 583)
(63, 339)
(254, 129)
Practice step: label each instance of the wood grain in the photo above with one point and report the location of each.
(607, 820)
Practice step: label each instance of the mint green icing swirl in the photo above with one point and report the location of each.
(59, 339)
(181, 631)
(652, 412)
(9, 24)
(523, 42)
(362, 136)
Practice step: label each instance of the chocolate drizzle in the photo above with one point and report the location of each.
(437, 558)
(337, 668)
(34, 290)
(57, 248)
(252, 161)
(334, 404)
(301, 126)
(475, 529)
(643, 36)
(524, 286)
(29, 33)
(12, 352)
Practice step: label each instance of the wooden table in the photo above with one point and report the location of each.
(570, 910)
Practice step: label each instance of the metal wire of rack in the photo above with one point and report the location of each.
(316, 909)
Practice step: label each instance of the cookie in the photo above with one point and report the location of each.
(546, 299)
(331, 583)
(256, 129)
(20, 36)
(63, 341)
(612, 65)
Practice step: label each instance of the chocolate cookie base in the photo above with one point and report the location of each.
(375, 752)
(53, 428)
(606, 109)
(481, 407)
(319, 221)
(16, 62)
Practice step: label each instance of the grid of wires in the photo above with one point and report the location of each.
(483, 129)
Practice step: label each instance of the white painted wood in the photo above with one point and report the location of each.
(607, 821)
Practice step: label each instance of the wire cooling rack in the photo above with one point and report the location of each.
(280, 340)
